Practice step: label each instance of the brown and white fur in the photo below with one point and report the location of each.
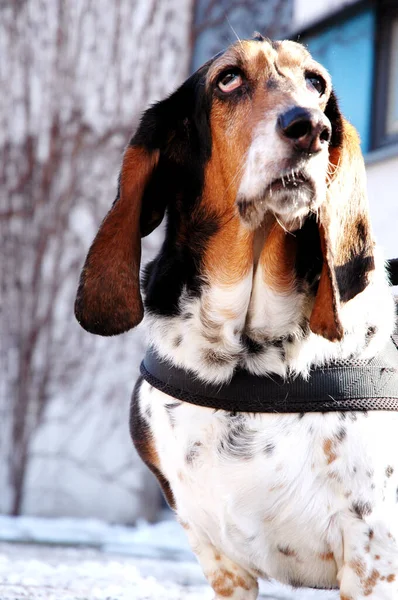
(269, 264)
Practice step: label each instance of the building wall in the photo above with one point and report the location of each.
(307, 12)
(77, 77)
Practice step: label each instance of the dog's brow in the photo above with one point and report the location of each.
(246, 55)
(231, 58)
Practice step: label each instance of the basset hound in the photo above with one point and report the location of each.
(268, 266)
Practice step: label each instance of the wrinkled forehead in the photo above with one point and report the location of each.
(263, 58)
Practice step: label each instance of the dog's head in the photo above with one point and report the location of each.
(255, 131)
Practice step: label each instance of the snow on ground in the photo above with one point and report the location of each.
(71, 559)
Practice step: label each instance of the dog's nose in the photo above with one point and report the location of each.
(308, 129)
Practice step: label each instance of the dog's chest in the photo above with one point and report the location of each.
(268, 490)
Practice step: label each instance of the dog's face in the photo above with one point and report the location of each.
(253, 137)
(269, 128)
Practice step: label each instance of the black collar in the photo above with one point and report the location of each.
(351, 385)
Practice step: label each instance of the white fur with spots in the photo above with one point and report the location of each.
(303, 500)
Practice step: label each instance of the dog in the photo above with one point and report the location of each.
(268, 266)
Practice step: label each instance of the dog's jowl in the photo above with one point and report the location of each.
(268, 269)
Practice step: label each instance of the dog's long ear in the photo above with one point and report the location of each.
(166, 150)
(344, 228)
(108, 300)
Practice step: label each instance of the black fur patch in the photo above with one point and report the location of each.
(371, 332)
(309, 258)
(238, 441)
(179, 128)
(352, 277)
(193, 453)
(362, 509)
(333, 113)
(250, 345)
(177, 341)
(258, 37)
(177, 265)
(341, 434)
(280, 344)
(269, 448)
(272, 83)
(170, 409)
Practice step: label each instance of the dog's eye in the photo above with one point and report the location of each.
(316, 82)
(229, 80)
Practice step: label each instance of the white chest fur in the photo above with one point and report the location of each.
(209, 335)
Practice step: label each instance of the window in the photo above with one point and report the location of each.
(385, 127)
(345, 46)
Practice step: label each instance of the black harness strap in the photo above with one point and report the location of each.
(354, 385)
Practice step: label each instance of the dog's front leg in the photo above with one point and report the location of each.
(227, 579)
(370, 567)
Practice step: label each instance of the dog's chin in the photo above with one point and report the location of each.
(289, 202)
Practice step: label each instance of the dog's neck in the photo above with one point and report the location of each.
(249, 305)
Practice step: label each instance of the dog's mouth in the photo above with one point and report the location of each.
(289, 196)
(290, 181)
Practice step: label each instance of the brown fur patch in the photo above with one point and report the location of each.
(142, 437)
(359, 568)
(225, 582)
(370, 582)
(335, 476)
(277, 260)
(229, 254)
(325, 320)
(329, 449)
(326, 556)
